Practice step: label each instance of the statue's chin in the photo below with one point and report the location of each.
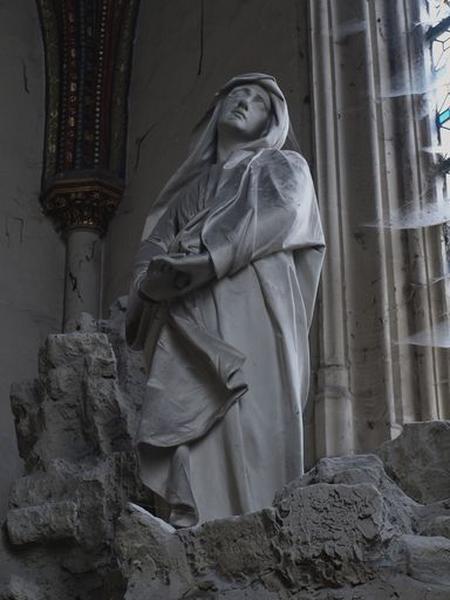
(237, 132)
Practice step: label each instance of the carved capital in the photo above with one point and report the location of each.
(82, 201)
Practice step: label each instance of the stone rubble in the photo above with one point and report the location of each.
(367, 527)
(419, 460)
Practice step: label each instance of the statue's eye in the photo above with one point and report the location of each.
(260, 100)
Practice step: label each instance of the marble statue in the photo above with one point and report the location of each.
(221, 304)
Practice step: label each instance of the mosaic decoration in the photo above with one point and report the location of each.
(88, 51)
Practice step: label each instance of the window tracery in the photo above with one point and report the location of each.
(438, 36)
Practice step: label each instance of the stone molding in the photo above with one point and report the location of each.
(86, 202)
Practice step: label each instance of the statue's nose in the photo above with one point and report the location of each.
(243, 103)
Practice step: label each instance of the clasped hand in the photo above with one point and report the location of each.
(176, 274)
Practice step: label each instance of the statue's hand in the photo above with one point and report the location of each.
(158, 283)
(173, 275)
(191, 271)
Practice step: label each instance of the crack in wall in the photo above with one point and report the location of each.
(14, 228)
(25, 77)
(90, 255)
(202, 37)
(74, 284)
(139, 141)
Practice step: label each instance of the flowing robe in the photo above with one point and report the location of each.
(221, 428)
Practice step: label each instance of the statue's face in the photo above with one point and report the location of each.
(245, 111)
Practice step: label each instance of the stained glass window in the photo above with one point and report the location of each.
(438, 9)
(440, 47)
(439, 38)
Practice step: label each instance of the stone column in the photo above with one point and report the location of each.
(88, 48)
(333, 410)
(83, 266)
(376, 287)
(82, 206)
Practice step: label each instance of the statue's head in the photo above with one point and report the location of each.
(245, 113)
(250, 107)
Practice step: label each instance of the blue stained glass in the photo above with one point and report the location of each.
(443, 117)
(439, 37)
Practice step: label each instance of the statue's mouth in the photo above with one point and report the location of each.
(238, 113)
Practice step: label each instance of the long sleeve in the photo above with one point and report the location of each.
(142, 312)
(157, 244)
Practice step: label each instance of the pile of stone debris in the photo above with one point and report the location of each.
(373, 527)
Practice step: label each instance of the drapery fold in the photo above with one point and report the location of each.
(208, 377)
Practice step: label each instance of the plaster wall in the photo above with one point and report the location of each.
(184, 51)
(31, 254)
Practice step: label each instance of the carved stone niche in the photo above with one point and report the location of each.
(80, 526)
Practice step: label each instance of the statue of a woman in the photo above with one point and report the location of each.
(221, 303)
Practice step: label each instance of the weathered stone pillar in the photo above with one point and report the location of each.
(88, 46)
(83, 265)
(371, 126)
(82, 205)
(333, 408)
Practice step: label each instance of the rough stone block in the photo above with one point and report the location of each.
(427, 558)
(44, 523)
(26, 407)
(331, 534)
(236, 547)
(37, 489)
(387, 587)
(438, 527)
(333, 531)
(419, 460)
(152, 557)
(76, 410)
(18, 588)
(100, 490)
(315, 536)
(368, 469)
